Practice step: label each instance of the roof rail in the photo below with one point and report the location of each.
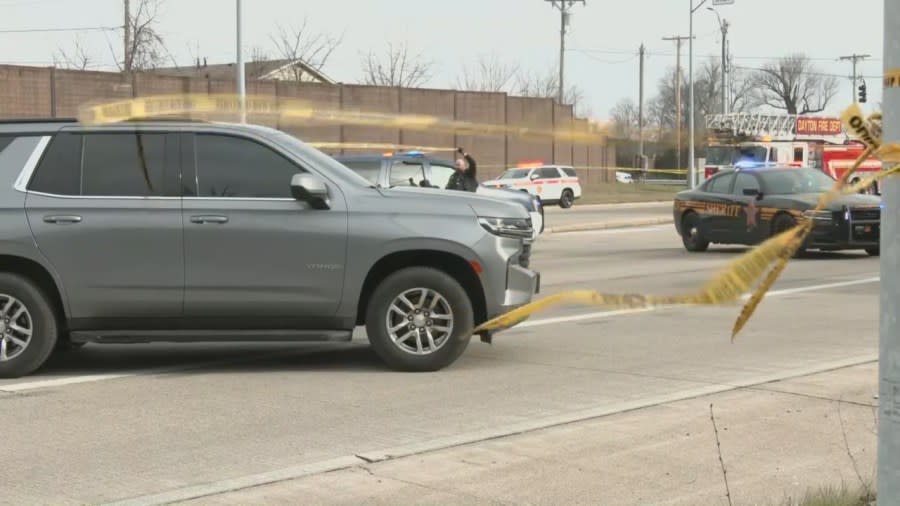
(9, 121)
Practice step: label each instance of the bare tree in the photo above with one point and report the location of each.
(299, 44)
(546, 85)
(793, 84)
(624, 118)
(78, 59)
(144, 46)
(487, 74)
(401, 69)
(740, 91)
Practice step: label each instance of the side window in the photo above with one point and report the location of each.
(773, 154)
(570, 172)
(440, 175)
(549, 173)
(745, 182)
(229, 166)
(368, 170)
(720, 183)
(407, 174)
(798, 154)
(130, 165)
(59, 172)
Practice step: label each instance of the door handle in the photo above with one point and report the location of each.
(62, 219)
(209, 219)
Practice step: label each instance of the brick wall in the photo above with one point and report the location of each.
(44, 92)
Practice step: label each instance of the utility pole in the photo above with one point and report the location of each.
(889, 345)
(126, 65)
(242, 92)
(678, 39)
(641, 111)
(724, 64)
(854, 58)
(564, 6)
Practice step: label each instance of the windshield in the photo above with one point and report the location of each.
(751, 154)
(791, 181)
(515, 174)
(721, 155)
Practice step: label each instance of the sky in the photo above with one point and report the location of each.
(602, 43)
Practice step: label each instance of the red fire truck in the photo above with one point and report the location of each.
(788, 139)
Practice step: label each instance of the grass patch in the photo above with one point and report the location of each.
(834, 496)
(616, 193)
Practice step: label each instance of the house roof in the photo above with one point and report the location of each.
(265, 69)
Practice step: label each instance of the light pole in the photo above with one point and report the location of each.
(888, 477)
(723, 25)
(692, 170)
(242, 91)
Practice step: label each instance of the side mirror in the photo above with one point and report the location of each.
(310, 189)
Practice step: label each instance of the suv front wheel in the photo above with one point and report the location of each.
(28, 328)
(419, 319)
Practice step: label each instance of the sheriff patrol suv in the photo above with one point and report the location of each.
(183, 231)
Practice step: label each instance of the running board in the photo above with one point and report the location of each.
(209, 336)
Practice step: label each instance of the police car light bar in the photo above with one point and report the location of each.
(528, 164)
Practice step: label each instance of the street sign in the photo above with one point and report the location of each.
(722, 2)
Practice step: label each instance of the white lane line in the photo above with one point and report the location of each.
(473, 437)
(91, 378)
(74, 380)
(620, 312)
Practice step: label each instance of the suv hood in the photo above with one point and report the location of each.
(432, 199)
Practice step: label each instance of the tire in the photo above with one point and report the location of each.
(566, 199)
(785, 222)
(17, 292)
(403, 355)
(874, 252)
(691, 236)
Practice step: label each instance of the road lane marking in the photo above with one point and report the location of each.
(25, 386)
(620, 312)
(605, 231)
(362, 459)
(92, 378)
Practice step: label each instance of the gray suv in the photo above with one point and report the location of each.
(186, 231)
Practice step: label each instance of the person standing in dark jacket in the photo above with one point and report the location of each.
(464, 179)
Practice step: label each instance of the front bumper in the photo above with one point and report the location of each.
(846, 231)
(522, 284)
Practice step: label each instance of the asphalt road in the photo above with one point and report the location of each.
(581, 214)
(110, 423)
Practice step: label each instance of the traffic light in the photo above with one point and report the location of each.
(862, 92)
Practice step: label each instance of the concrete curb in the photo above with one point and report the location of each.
(607, 225)
(621, 205)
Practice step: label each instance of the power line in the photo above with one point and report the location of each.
(81, 29)
(666, 53)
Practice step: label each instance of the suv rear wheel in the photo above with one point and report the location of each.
(419, 319)
(28, 328)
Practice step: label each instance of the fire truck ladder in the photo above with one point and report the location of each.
(755, 125)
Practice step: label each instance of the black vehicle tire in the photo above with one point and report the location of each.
(38, 316)
(380, 316)
(566, 199)
(782, 223)
(691, 236)
(874, 252)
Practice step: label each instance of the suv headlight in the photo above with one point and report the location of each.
(818, 215)
(518, 228)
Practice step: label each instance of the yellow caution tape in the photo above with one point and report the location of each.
(770, 257)
(858, 126)
(286, 111)
(892, 78)
(385, 147)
